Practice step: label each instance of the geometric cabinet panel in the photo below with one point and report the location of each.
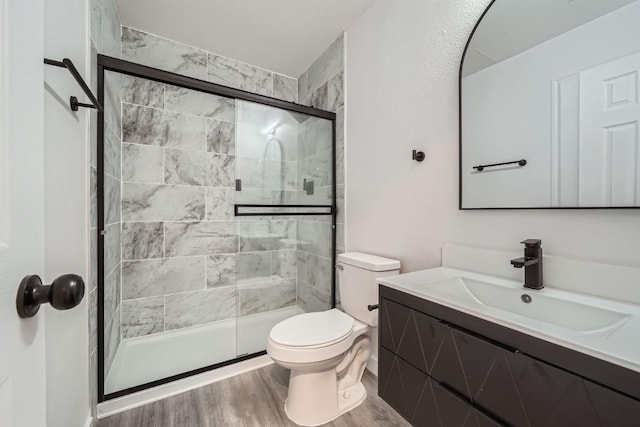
(412, 335)
(421, 400)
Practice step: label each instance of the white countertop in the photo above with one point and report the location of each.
(619, 345)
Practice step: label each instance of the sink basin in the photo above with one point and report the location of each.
(601, 327)
(547, 306)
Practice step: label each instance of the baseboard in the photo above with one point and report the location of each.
(134, 400)
(372, 365)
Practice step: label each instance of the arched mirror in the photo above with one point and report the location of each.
(549, 108)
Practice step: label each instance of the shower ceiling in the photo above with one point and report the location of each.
(280, 35)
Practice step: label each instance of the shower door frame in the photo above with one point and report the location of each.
(107, 63)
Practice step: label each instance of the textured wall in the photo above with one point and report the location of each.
(409, 52)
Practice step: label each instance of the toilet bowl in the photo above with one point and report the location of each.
(327, 351)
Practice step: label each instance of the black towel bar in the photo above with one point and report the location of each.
(73, 101)
(480, 168)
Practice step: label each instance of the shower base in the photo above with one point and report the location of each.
(145, 359)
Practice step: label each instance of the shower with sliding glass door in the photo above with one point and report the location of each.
(216, 220)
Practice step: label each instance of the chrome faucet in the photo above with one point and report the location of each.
(532, 263)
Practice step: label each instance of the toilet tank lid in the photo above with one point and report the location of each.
(369, 262)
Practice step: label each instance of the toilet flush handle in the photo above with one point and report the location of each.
(372, 307)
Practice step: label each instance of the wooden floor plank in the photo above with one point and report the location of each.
(252, 399)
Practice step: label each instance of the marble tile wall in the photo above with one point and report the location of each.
(112, 216)
(169, 55)
(182, 250)
(321, 86)
(105, 27)
(313, 263)
(177, 202)
(185, 260)
(267, 161)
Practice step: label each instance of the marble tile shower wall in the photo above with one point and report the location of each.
(321, 86)
(184, 256)
(179, 58)
(314, 232)
(186, 261)
(112, 218)
(177, 208)
(105, 39)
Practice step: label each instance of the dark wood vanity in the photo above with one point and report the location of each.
(441, 367)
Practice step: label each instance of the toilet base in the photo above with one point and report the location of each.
(327, 389)
(347, 400)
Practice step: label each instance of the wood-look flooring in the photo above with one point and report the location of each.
(253, 399)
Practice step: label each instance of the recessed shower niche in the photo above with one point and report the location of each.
(216, 220)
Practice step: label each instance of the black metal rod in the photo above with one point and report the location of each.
(100, 238)
(521, 162)
(283, 214)
(182, 375)
(236, 210)
(66, 63)
(284, 206)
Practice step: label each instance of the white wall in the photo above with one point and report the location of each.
(402, 93)
(508, 109)
(66, 219)
(22, 342)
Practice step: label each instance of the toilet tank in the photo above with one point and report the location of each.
(357, 274)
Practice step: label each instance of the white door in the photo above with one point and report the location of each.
(22, 365)
(609, 120)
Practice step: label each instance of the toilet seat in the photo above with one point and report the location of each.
(313, 330)
(305, 333)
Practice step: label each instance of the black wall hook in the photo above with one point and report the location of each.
(418, 156)
(64, 293)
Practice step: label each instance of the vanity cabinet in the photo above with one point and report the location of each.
(437, 373)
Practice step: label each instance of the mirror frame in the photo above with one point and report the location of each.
(464, 54)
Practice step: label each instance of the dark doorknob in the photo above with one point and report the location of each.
(64, 293)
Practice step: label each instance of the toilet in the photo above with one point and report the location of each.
(327, 351)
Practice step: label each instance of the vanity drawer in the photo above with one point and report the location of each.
(454, 411)
(480, 371)
(401, 385)
(410, 334)
(459, 360)
(421, 400)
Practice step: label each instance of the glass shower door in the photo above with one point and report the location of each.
(283, 199)
(168, 271)
(216, 222)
